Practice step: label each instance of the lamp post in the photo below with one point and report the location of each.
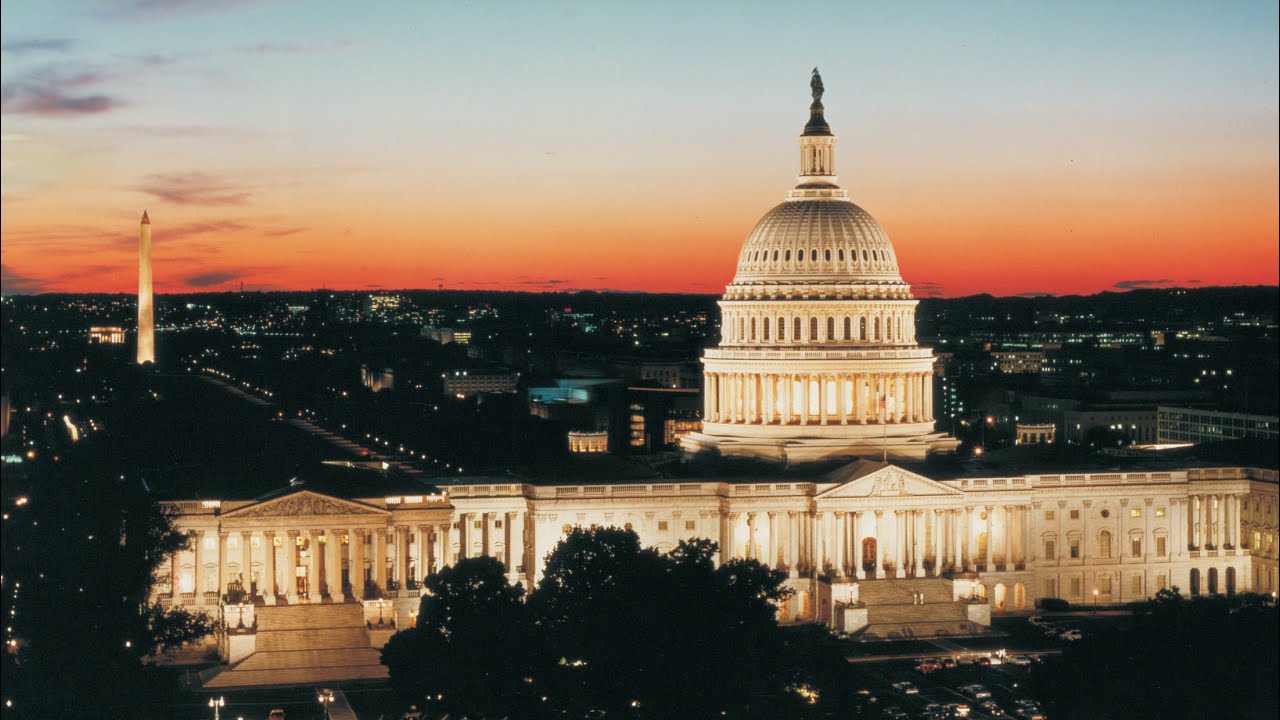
(217, 704)
(1095, 601)
(325, 698)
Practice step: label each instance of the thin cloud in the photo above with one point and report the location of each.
(51, 95)
(152, 10)
(31, 45)
(1137, 284)
(193, 188)
(209, 279)
(15, 283)
(282, 231)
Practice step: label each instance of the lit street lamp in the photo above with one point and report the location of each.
(1095, 601)
(325, 698)
(217, 704)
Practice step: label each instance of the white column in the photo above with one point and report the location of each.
(859, 571)
(793, 555)
(899, 541)
(880, 538)
(315, 555)
(291, 566)
(267, 585)
(356, 564)
(860, 399)
(927, 395)
(380, 558)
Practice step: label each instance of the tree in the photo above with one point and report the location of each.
(670, 633)
(80, 559)
(471, 646)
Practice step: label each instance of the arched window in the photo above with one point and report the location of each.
(1195, 582)
(787, 256)
(813, 255)
(753, 329)
(875, 330)
(840, 254)
(1104, 544)
(764, 326)
(848, 327)
(775, 256)
(831, 329)
(862, 329)
(782, 329)
(864, 254)
(795, 330)
(827, 255)
(1213, 581)
(813, 329)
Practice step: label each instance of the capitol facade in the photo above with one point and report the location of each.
(818, 361)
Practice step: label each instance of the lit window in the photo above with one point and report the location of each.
(1135, 512)
(1048, 514)
(1159, 512)
(689, 525)
(1075, 548)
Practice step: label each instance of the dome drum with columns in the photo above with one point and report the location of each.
(818, 357)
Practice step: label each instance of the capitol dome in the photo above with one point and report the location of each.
(817, 358)
(817, 241)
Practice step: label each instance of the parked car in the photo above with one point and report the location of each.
(949, 662)
(1018, 660)
(960, 710)
(1071, 635)
(906, 688)
(276, 714)
(894, 713)
(1053, 604)
(1038, 620)
(924, 667)
(976, 692)
(984, 661)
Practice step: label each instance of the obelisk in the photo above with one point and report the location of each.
(146, 315)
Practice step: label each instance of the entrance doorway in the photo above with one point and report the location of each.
(301, 584)
(869, 555)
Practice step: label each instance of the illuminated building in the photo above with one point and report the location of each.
(1195, 425)
(465, 383)
(818, 356)
(1034, 434)
(106, 335)
(589, 442)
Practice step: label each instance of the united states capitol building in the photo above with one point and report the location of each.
(818, 364)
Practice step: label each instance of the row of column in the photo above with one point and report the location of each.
(818, 398)
(1213, 521)
(406, 557)
(877, 543)
(753, 328)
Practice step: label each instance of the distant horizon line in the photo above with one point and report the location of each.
(607, 291)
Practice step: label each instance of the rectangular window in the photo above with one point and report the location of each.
(1049, 550)
(1162, 582)
(1048, 514)
(477, 524)
(497, 524)
(1075, 514)
(1051, 587)
(1159, 512)
(1135, 547)
(1075, 587)
(1104, 584)
(1136, 587)
(1160, 549)
(1135, 512)
(690, 525)
(1075, 548)
(662, 525)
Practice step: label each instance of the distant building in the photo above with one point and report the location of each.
(442, 335)
(1018, 362)
(1193, 425)
(106, 335)
(1034, 434)
(1137, 424)
(377, 380)
(589, 442)
(465, 383)
(383, 307)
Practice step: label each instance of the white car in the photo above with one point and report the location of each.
(906, 688)
(1018, 660)
(976, 692)
(1071, 635)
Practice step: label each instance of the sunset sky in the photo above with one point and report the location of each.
(1006, 147)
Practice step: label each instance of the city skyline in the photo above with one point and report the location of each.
(367, 151)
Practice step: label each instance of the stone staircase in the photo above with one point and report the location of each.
(306, 645)
(893, 614)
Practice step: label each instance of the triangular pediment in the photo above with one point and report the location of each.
(870, 479)
(305, 503)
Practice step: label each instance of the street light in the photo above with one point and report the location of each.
(217, 704)
(325, 698)
(1095, 601)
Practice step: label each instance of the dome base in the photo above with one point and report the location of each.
(799, 450)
